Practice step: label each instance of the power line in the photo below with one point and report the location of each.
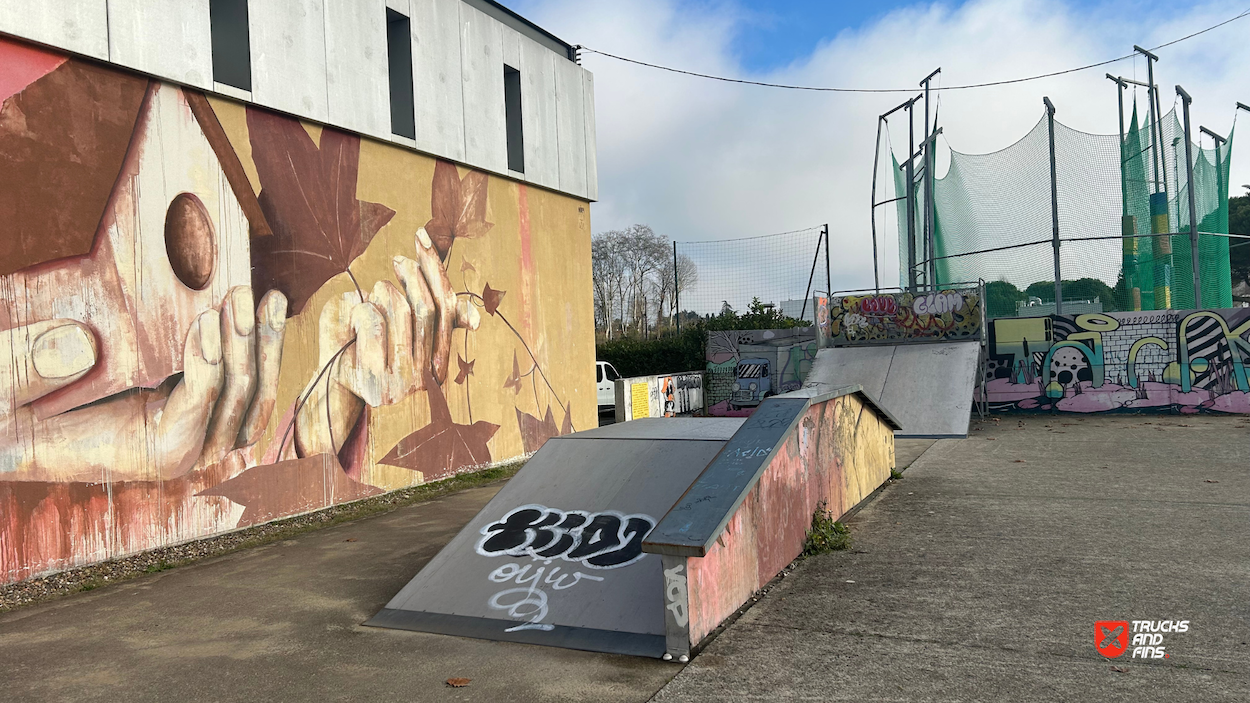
(902, 90)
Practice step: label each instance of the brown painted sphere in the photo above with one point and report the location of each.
(189, 241)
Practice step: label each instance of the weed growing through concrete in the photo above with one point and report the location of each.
(826, 534)
(896, 475)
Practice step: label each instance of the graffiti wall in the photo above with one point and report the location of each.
(746, 366)
(890, 318)
(659, 396)
(1185, 361)
(213, 316)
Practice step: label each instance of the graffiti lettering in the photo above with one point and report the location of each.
(605, 540)
(937, 303)
(675, 594)
(879, 305)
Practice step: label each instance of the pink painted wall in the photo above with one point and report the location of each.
(841, 452)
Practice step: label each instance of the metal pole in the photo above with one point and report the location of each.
(828, 278)
(1153, 96)
(876, 157)
(1128, 224)
(1054, 205)
(1159, 208)
(676, 292)
(807, 294)
(931, 270)
(911, 198)
(1193, 205)
(882, 120)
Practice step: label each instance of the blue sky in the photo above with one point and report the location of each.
(704, 160)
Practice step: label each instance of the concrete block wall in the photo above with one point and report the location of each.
(326, 61)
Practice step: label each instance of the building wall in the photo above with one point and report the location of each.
(213, 315)
(1166, 360)
(326, 61)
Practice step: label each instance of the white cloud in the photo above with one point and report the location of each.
(699, 159)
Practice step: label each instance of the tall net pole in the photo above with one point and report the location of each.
(1054, 205)
(1193, 206)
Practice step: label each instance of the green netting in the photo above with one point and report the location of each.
(993, 220)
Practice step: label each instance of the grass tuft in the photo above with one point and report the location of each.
(826, 534)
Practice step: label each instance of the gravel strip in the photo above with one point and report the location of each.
(86, 578)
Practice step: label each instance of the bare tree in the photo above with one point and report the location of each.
(633, 275)
(666, 283)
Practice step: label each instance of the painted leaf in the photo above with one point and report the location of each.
(535, 432)
(567, 427)
(290, 487)
(442, 448)
(491, 298)
(514, 380)
(457, 206)
(308, 196)
(466, 369)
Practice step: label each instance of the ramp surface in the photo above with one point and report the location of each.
(926, 387)
(556, 557)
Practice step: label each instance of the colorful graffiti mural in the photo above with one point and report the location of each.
(746, 366)
(889, 318)
(667, 395)
(212, 315)
(1187, 361)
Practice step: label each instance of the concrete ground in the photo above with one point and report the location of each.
(282, 623)
(979, 576)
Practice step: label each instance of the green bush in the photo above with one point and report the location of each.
(687, 350)
(644, 357)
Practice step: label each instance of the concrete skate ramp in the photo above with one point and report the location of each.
(556, 557)
(927, 387)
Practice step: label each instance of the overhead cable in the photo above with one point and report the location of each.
(822, 89)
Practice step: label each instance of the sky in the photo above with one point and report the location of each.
(704, 160)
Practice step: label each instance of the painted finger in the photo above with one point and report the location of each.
(423, 315)
(238, 353)
(40, 358)
(334, 329)
(364, 369)
(444, 302)
(179, 437)
(398, 314)
(271, 321)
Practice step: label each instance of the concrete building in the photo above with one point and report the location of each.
(327, 61)
(260, 257)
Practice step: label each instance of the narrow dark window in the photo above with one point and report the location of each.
(399, 58)
(232, 51)
(512, 113)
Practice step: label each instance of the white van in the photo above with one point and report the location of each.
(605, 379)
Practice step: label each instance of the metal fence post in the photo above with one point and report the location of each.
(1193, 206)
(828, 278)
(1054, 205)
(676, 291)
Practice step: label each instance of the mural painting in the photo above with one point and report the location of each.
(889, 318)
(660, 396)
(1186, 361)
(213, 316)
(746, 366)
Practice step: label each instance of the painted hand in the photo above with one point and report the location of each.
(381, 350)
(222, 401)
